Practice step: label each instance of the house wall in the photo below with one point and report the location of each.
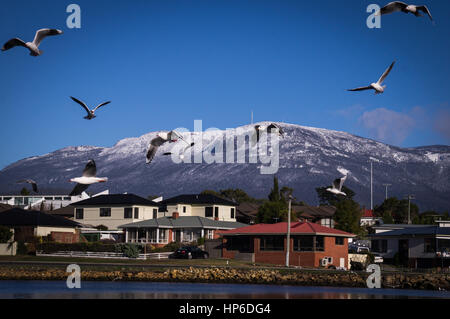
(304, 259)
(91, 216)
(65, 237)
(199, 210)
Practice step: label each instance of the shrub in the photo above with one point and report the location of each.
(5, 234)
(21, 248)
(129, 250)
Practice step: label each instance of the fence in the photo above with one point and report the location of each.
(110, 255)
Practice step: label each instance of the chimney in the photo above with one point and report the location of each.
(175, 215)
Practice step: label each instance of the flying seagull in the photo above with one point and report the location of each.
(30, 181)
(182, 153)
(159, 140)
(272, 128)
(90, 113)
(337, 186)
(406, 8)
(88, 178)
(32, 46)
(376, 86)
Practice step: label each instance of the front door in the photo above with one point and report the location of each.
(178, 236)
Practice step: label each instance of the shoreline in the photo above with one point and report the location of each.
(230, 275)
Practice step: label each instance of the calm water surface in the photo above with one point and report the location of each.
(144, 290)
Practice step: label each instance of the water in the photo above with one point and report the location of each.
(149, 290)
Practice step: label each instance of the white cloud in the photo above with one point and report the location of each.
(387, 125)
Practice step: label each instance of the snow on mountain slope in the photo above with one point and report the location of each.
(309, 158)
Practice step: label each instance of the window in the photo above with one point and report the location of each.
(271, 243)
(326, 222)
(430, 245)
(208, 212)
(319, 243)
(58, 198)
(304, 243)
(136, 212)
(184, 209)
(79, 213)
(210, 234)
(216, 212)
(339, 241)
(232, 213)
(155, 213)
(67, 198)
(105, 212)
(127, 212)
(240, 243)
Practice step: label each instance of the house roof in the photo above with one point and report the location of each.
(198, 199)
(21, 217)
(116, 199)
(297, 228)
(184, 222)
(314, 211)
(5, 207)
(66, 211)
(367, 213)
(419, 230)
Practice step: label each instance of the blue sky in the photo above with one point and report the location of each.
(164, 64)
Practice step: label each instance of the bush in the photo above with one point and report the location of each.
(370, 258)
(5, 234)
(356, 266)
(21, 248)
(129, 250)
(201, 241)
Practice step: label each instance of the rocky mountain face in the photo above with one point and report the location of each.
(308, 158)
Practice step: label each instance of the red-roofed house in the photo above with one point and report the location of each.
(311, 245)
(368, 218)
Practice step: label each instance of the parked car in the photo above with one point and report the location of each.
(189, 252)
(377, 258)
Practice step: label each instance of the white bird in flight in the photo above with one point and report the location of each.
(91, 113)
(88, 178)
(188, 146)
(30, 181)
(397, 6)
(378, 87)
(159, 140)
(32, 46)
(337, 186)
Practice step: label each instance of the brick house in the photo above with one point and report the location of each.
(29, 224)
(311, 245)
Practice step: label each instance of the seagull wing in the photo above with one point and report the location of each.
(78, 189)
(99, 106)
(42, 33)
(425, 10)
(13, 43)
(154, 145)
(361, 88)
(82, 104)
(386, 73)
(393, 7)
(336, 183)
(90, 170)
(341, 182)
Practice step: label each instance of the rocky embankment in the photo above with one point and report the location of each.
(240, 276)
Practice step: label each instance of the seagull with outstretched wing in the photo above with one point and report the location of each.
(91, 113)
(32, 46)
(337, 186)
(378, 87)
(88, 178)
(31, 182)
(397, 6)
(159, 140)
(271, 128)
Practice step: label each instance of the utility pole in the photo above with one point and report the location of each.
(409, 197)
(371, 184)
(288, 239)
(387, 185)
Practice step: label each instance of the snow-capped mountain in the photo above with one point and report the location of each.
(309, 158)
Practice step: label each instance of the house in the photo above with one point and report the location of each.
(415, 246)
(29, 224)
(323, 215)
(66, 212)
(176, 228)
(311, 244)
(247, 213)
(368, 218)
(114, 210)
(202, 205)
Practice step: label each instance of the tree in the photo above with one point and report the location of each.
(272, 212)
(237, 195)
(327, 198)
(5, 234)
(24, 192)
(101, 227)
(274, 195)
(398, 209)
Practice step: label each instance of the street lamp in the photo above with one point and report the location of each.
(288, 239)
(409, 197)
